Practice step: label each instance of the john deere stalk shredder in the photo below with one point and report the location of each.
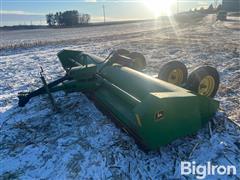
(154, 111)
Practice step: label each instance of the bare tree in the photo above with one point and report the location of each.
(67, 18)
(50, 19)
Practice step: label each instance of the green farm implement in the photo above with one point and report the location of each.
(155, 111)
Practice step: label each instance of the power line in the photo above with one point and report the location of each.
(104, 16)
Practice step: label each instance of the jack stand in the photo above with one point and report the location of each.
(55, 108)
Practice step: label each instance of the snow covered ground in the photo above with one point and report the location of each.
(80, 142)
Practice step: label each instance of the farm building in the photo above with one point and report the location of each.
(231, 5)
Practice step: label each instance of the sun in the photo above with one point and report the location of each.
(160, 7)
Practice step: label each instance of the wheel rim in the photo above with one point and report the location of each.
(139, 63)
(175, 76)
(206, 86)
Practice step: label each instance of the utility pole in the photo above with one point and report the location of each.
(104, 16)
(177, 6)
(215, 4)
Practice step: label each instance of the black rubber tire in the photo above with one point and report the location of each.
(123, 52)
(167, 68)
(139, 60)
(198, 74)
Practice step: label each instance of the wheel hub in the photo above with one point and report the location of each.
(206, 86)
(175, 77)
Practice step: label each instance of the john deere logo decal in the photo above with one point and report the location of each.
(159, 115)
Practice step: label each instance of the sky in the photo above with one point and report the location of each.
(26, 12)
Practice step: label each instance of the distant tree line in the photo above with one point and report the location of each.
(67, 18)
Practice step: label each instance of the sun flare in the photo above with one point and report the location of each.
(160, 7)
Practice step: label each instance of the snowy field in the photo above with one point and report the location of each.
(80, 142)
